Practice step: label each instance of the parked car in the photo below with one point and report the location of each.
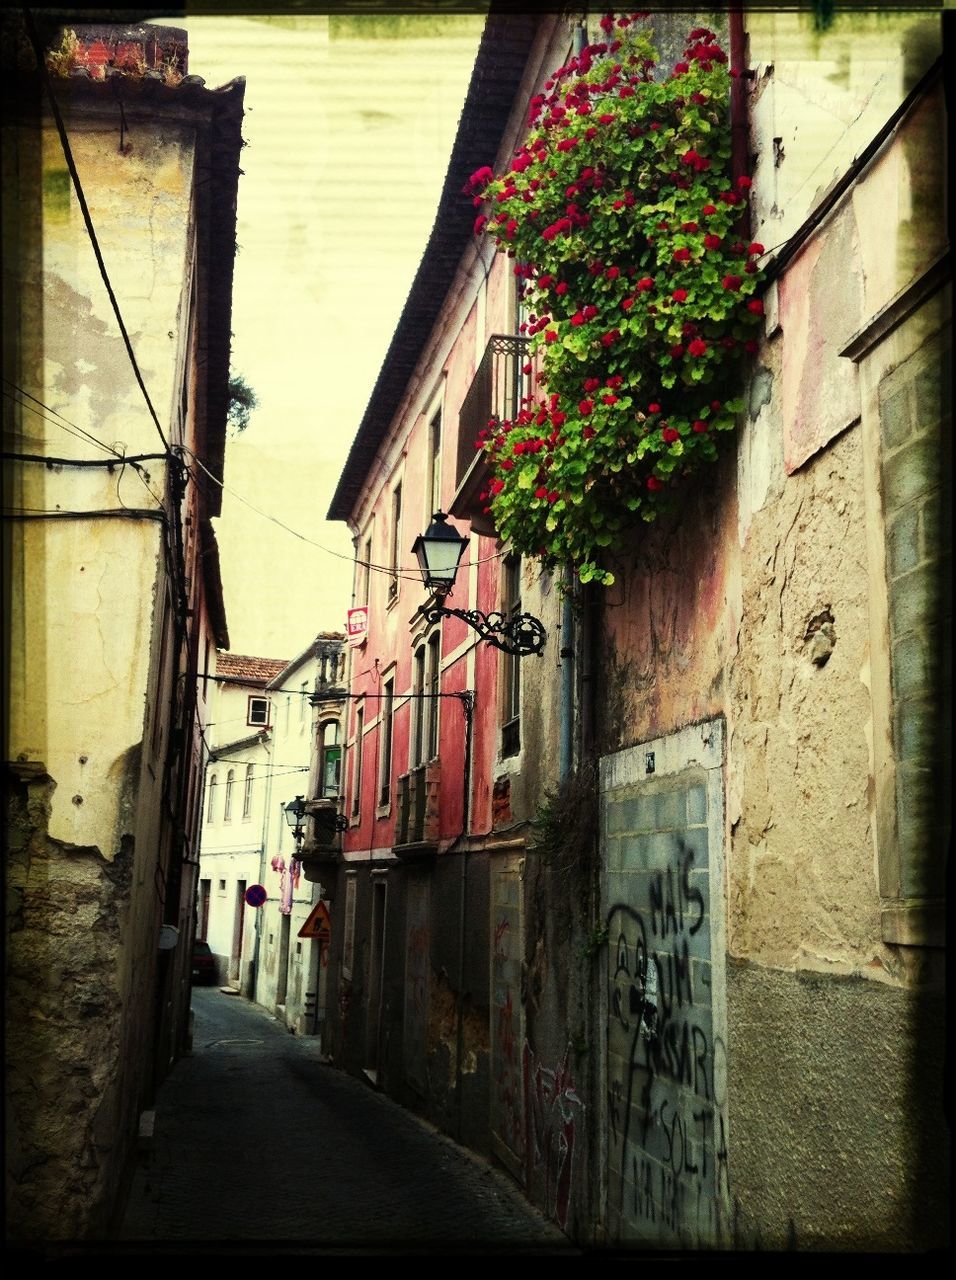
(204, 963)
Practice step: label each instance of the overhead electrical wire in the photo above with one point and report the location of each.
(409, 575)
(116, 458)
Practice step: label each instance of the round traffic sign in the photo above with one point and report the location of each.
(256, 895)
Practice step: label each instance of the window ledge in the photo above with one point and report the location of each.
(919, 923)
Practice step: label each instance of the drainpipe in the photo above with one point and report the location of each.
(580, 35)
(262, 879)
(468, 706)
(739, 142)
(567, 680)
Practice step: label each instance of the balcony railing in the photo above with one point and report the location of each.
(416, 828)
(495, 393)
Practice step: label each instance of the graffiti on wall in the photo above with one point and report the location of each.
(553, 1106)
(417, 945)
(667, 1151)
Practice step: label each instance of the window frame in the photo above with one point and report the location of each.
(386, 739)
(247, 793)
(250, 719)
(227, 805)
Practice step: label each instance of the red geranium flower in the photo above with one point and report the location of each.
(755, 250)
(681, 255)
(731, 282)
(697, 347)
(712, 242)
(586, 407)
(679, 295)
(645, 284)
(700, 426)
(670, 434)
(756, 306)
(591, 384)
(653, 408)
(611, 399)
(654, 483)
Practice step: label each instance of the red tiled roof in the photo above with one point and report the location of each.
(243, 667)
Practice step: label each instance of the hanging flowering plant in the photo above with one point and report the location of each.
(620, 214)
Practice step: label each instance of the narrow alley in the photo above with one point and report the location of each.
(257, 1142)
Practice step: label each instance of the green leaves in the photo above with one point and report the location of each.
(620, 208)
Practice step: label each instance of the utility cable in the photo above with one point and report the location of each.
(409, 575)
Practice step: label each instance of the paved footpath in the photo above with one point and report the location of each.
(259, 1146)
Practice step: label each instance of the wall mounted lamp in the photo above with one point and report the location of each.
(294, 813)
(439, 550)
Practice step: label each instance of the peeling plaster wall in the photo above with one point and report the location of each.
(90, 695)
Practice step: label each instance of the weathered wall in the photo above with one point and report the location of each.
(837, 1138)
(66, 916)
(764, 605)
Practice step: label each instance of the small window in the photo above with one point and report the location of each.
(395, 545)
(433, 689)
(247, 795)
(211, 807)
(385, 742)
(227, 808)
(330, 766)
(258, 711)
(357, 766)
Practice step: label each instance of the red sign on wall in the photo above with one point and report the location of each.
(357, 625)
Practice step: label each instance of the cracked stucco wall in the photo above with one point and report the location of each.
(89, 704)
(758, 604)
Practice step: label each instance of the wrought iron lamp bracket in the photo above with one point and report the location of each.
(516, 634)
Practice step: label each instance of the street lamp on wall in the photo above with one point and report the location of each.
(294, 813)
(439, 550)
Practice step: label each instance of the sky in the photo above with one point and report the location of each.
(350, 125)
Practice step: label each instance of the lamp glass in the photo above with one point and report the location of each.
(439, 550)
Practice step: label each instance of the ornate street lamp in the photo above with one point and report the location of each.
(439, 551)
(294, 813)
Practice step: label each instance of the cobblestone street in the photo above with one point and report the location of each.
(259, 1143)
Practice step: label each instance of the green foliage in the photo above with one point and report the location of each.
(621, 216)
(242, 401)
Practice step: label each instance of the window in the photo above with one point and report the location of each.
(433, 688)
(330, 764)
(385, 742)
(510, 666)
(227, 809)
(366, 571)
(416, 754)
(211, 806)
(357, 765)
(395, 559)
(258, 712)
(433, 468)
(303, 705)
(247, 795)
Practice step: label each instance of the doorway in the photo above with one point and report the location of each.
(376, 964)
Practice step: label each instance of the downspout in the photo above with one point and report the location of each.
(566, 757)
(267, 807)
(468, 706)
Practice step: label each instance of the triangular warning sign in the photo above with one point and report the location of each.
(319, 924)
